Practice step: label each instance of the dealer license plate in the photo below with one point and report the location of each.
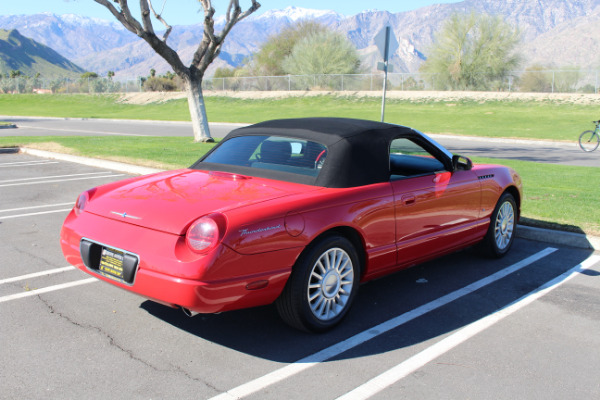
(111, 264)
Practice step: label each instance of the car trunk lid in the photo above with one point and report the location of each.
(170, 201)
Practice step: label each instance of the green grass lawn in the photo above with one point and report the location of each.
(556, 196)
(550, 120)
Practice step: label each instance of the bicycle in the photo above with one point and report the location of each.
(589, 140)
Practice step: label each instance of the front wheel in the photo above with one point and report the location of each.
(322, 285)
(589, 141)
(501, 233)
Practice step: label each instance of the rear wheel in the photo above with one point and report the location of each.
(322, 285)
(501, 233)
(589, 141)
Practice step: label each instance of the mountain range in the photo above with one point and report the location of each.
(555, 33)
(18, 53)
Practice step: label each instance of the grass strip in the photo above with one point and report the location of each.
(555, 196)
(550, 120)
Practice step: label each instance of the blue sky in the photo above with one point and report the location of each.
(184, 12)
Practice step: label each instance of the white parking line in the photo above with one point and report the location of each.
(60, 180)
(2, 217)
(46, 289)
(26, 163)
(52, 177)
(34, 207)
(36, 274)
(271, 378)
(417, 361)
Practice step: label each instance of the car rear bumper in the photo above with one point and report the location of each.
(168, 274)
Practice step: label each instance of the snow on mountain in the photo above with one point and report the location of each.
(294, 14)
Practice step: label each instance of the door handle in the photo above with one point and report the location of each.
(409, 199)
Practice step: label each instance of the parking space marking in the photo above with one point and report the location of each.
(46, 289)
(43, 181)
(26, 163)
(34, 207)
(417, 361)
(51, 177)
(4, 217)
(37, 274)
(34, 214)
(289, 370)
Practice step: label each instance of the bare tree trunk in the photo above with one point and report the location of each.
(207, 50)
(193, 88)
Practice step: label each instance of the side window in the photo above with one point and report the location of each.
(408, 158)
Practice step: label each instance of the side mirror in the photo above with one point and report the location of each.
(461, 162)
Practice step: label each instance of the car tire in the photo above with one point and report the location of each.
(503, 224)
(322, 286)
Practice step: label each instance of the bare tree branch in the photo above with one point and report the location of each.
(209, 22)
(160, 18)
(127, 14)
(118, 15)
(236, 8)
(210, 46)
(255, 6)
(146, 16)
(207, 50)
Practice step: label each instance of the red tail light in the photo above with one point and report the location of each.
(82, 201)
(205, 233)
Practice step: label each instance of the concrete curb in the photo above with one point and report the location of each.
(93, 162)
(569, 239)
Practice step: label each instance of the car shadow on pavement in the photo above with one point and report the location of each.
(259, 331)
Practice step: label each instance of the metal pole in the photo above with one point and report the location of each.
(385, 69)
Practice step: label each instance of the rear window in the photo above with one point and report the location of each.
(275, 153)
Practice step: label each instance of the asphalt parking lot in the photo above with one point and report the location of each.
(525, 326)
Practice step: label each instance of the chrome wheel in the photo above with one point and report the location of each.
(501, 232)
(330, 285)
(322, 286)
(504, 225)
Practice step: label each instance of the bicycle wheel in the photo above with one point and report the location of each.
(589, 141)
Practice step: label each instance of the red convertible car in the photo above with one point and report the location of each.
(296, 212)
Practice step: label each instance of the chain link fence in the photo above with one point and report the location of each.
(544, 81)
(21, 84)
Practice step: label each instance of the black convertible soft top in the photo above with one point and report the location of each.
(358, 150)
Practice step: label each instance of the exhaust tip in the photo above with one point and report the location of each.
(188, 312)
